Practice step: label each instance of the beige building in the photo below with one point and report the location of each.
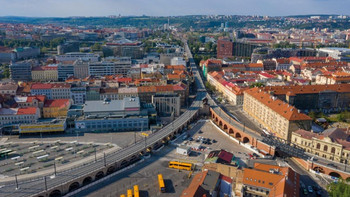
(276, 116)
(332, 144)
(231, 92)
(45, 73)
(167, 104)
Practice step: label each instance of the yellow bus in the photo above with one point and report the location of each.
(129, 193)
(161, 183)
(136, 191)
(180, 165)
(123, 195)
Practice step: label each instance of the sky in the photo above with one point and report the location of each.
(65, 8)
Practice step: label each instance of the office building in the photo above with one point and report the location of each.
(112, 115)
(26, 52)
(224, 48)
(45, 73)
(67, 48)
(73, 56)
(21, 71)
(340, 54)
(119, 66)
(167, 104)
(64, 71)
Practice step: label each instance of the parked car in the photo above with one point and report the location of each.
(305, 191)
(309, 189)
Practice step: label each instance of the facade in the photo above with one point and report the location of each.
(64, 71)
(211, 65)
(41, 89)
(165, 58)
(15, 116)
(6, 54)
(231, 92)
(118, 67)
(73, 56)
(334, 78)
(56, 125)
(8, 89)
(177, 61)
(269, 180)
(78, 95)
(278, 117)
(109, 93)
(314, 97)
(112, 115)
(56, 108)
(27, 52)
(124, 48)
(224, 48)
(167, 104)
(332, 144)
(340, 54)
(81, 69)
(45, 73)
(68, 47)
(21, 71)
(60, 91)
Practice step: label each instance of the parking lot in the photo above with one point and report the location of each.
(27, 158)
(145, 173)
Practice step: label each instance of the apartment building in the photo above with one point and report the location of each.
(313, 97)
(15, 116)
(45, 73)
(278, 117)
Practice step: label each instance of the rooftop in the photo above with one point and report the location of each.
(285, 110)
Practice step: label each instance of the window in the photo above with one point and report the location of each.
(318, 146)
(325, 148)
(333, 150)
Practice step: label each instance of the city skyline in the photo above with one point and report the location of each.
(65, 8)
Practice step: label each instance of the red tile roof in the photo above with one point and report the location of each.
(41, 86)
(28, 110)
(57, 103)
(285, 110)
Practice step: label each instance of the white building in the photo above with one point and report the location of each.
(177, 61)
(14, 116)
(340, 54)
(119, 66)
(73, 56)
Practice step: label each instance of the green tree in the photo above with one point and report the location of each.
(96, 47)
(340, 189)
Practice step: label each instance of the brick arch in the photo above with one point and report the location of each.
(230, 131)
(216, 119)
(238, 135)
(225, 127)
(220, 123)
(246, 140)
(335, 174)
(318, 169)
